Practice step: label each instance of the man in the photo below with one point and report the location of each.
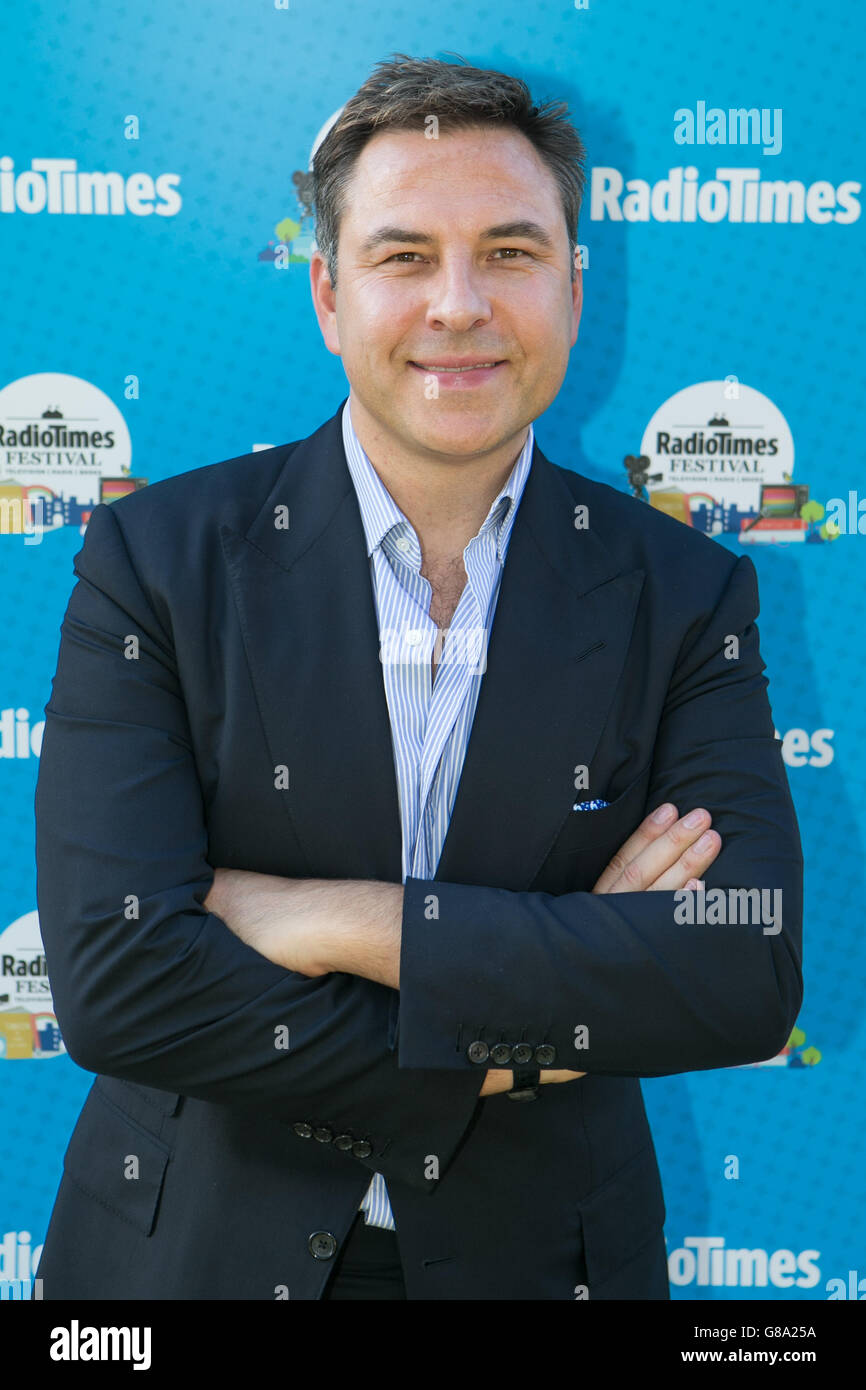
(354, 872)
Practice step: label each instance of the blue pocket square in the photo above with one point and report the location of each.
(589, 805)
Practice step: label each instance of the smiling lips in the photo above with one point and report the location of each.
(472, 373)
(457, 365)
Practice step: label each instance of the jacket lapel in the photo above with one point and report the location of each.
(305, 601)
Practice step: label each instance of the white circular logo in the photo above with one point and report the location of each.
(323, 131)
(721, 458)
(64, 447)
(28, 1026)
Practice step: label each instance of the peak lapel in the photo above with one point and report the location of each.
(307, 611)
(560, 634)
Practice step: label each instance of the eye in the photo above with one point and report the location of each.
(398, 254)
(513, 251)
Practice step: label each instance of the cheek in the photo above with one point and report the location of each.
(540, 323)
(381, 322)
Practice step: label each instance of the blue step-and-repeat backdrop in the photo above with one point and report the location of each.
(155, 237)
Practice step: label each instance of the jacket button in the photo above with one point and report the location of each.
(304, 1130)
(343, 1141)
(322, 1245)
(478, 1052)
(522, 1054)
(545, 1054)
(501, 1053)
(323, 1134)
(361, 1148)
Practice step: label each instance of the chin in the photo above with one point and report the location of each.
(456, 437)
(457, 444)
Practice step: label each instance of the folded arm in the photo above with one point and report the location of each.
(149, 985)
(619, 983)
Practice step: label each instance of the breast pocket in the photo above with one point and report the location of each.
(607, 826)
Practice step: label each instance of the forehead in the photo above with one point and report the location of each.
(462, 169)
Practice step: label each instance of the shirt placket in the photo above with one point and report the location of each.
(407, 684)
(457, 669)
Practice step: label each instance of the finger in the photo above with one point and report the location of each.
(692, 863)
(639, 873)
(649, 830)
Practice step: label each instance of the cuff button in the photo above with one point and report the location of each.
(478, 1051)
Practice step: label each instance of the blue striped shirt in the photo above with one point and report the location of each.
(430, 720)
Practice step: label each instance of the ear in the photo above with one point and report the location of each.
(324, 302)
(576, 295)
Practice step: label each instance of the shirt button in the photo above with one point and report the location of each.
(304, 1130)
(343, 1141)
(413, 636)
(322, 1245)
(403, 543)
(501, 1053)
(522, 1054)
(478, 1052)
(361, 1148)
(323, 1134)
(545, 1054)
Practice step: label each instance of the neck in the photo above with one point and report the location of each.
(446, 499)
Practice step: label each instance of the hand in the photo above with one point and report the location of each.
(663, 855)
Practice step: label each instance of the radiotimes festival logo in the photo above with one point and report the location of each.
(28, 1024)
(64, 447)
(719, 456)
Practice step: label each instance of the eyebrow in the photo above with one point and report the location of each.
(530, 231)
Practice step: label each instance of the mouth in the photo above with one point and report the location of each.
(465, 373)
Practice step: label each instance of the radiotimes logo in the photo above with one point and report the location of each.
(28, 1024)
(730, 195)
(719, 457)
(19, 1261)
(705, 1262)
(64, 447)
(59, 186)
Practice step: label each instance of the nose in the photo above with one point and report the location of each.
(457, 299)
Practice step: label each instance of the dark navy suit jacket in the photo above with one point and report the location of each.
(257, 649)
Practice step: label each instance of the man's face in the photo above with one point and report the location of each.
(434, 271)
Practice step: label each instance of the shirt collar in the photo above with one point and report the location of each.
(380, 513)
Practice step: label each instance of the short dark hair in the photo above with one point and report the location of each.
(402, 92)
